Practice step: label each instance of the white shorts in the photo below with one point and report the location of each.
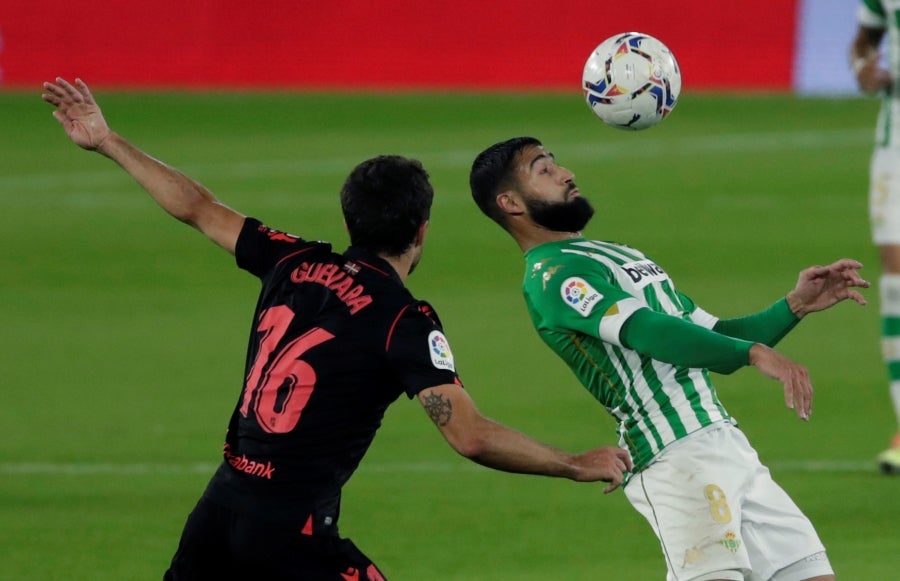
(884, 196)
(719, 515)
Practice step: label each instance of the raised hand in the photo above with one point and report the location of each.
(820, 287)
(77, 112)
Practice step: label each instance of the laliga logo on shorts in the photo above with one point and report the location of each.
(441, 356)
(579, 295)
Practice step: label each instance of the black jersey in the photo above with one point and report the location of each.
(336, 338)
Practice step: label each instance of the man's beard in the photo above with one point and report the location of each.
(570, 216)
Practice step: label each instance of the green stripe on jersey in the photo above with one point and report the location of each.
(575, 288)
(875, 6)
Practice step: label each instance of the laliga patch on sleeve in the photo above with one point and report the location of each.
(439, 348)
(579, 295)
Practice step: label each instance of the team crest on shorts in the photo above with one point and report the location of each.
(731, 542)
(439, 348)
(579, 295)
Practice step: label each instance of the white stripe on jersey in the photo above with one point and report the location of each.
(887, 130)
(614, 257)
(704, 319)
(633, 361)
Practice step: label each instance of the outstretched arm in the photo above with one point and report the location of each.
(185, 199)
(494, 445)
(818, 288)
(683, 343)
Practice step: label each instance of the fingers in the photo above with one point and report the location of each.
(615, 480)
(856, 297)
(814, 272)
(852, 278)
(798, 394)
(85, 91)
(54, 94)
(52, 99)
(848, 268)
(846, 263)
(62, 91)
(63, 119)
(625, 457)
(608, 464)
(71, 91)
(622, 465)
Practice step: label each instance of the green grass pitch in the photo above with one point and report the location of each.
(124, 331)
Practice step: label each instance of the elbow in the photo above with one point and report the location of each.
(725, 370)
(192, 213)
(473, 445)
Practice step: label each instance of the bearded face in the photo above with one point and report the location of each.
(566, 216)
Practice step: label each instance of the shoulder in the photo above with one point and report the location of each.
(413, 314)
(584, 259)
(872, 14)
(259, 248)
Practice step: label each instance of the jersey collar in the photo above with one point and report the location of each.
(369, 261)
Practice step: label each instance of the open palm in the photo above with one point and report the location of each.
(77, 112)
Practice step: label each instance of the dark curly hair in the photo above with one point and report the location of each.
(492, 172)
(385, 200)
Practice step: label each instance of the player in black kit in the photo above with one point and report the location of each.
(336, 338)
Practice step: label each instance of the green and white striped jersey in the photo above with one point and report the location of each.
(885, 15)
(579, 293)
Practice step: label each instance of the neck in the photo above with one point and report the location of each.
(401, 264)
(532, 236)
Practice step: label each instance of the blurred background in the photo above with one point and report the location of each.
(123, 332)
(790, 45)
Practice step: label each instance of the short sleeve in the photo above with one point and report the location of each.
(579, 294)
(697, 315)
(870, 14)
(419, 351)
(259, 247)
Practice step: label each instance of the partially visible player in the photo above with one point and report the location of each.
(335, 339)
(645, 351)
(877, 17)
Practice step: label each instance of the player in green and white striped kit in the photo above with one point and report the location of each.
(875, 18)
(645, 350)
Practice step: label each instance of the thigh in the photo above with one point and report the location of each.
(691, 496)
(275, 552)
(220, 544)
(776, 532)
(203, 548)
(884, 196)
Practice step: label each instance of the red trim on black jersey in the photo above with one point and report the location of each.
(292, 254)
(376, 269)
(308, 527)
(387, 343)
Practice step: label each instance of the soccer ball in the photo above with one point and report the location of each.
(631, 81)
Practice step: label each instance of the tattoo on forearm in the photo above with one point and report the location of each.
(439, 409)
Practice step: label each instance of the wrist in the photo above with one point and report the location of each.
(797, 307)
(105, 143)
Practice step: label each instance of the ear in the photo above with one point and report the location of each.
(510, 203)
(420, 234)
